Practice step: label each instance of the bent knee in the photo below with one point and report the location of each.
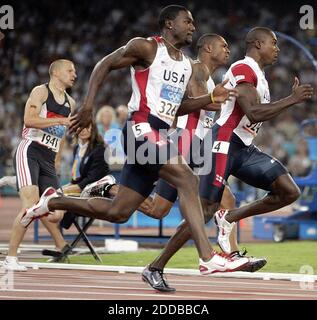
(56, 217)
(185, 173)
(161, 207)
(121, 218)
(294, 194)
(159, 213)
(291, 194)
(190, 180)
(119, 215)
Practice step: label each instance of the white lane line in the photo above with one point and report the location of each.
(179, 284)
(122, 269)
(163, 296)
(39, 298)
(233, 291)
(184, 282)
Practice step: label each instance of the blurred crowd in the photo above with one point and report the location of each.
(85, 32)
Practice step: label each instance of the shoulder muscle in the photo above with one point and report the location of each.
(244, 73)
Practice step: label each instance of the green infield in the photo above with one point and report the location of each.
(286, 257)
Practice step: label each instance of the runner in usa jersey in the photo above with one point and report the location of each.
(232, 150)
(160, 88)
(160, 74)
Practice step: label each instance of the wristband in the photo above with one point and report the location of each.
(212, 98)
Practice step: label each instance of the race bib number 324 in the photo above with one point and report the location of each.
(170, 99)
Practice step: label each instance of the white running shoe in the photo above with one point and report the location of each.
(10, 181)
(40, 209)
(224, 228)
(99, 188)
(221, 263)
(12, 264)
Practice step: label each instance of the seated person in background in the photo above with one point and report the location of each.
(89, 164)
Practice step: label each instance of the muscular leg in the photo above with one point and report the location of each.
(183, 179)
(128, 200)
(101, 208)
(163, 200)
(183, 234)
(156, 207)
(284, 192)
(145, 207)
(56, 218)
(56, 234)
(117, 210)
(161, 207)
(29, 195)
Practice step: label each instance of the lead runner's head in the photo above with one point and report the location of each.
(177, 25)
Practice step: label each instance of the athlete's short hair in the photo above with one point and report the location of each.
(257, 33)
(55, 65)
(207, 38)
(169, 13)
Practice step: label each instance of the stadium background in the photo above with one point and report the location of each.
(85, 32)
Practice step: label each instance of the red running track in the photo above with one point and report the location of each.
(82, 284)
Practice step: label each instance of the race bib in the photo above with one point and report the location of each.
(170, 99)
(48, 140)
(253, 128)
(141, 128)
(208, 122)
(220, 147)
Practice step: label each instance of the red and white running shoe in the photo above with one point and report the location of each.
(224, 228)
(254, 263)
(40, 209)
(221, 263)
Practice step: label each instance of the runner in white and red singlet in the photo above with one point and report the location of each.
(233, 152)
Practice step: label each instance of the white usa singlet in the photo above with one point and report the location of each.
(159, 89)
